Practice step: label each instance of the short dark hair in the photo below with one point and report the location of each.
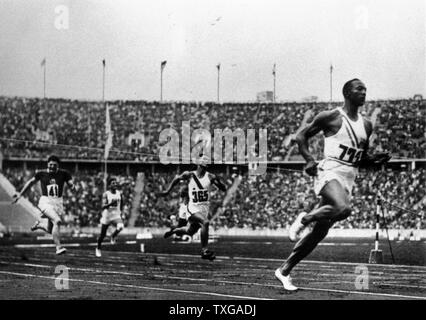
(53, 158)
(111, 180)
(347, 86)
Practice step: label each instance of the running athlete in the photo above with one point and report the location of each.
(198, 206)
(112, 207)
(183, 213)
(50, 204)
(346, 140)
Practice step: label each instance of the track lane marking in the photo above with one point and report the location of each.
(231, 282)
(136, 287)
(421, 268)
(302, 273)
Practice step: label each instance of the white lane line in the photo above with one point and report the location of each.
(303, 273)
(137, 287)
(409, 267)
(392, 284)
(331, 244)
(302, 268)
(52, 245)
(305, 262)
(232, 282)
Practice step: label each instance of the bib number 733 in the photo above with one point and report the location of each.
(349, 154)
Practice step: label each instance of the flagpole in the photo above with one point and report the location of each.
(44, 79)
(105, 160)
(103, 82)
(161, 84)
(331, 83)
(274, 81)
(89, 128)
(218, 82)
(106, 110)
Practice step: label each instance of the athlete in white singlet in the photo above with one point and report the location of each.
(112, 208)
(345, 149)
(342, 153)
(199, 183)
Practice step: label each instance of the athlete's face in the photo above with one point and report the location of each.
(202, 167)
(52, 166)
(113, 185)
(357, 93)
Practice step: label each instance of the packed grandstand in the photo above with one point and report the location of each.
(32, 129)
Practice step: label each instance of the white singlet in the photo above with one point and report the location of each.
(199, 194)
(342, 151)
(113, 213)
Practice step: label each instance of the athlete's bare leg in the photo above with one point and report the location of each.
(55, 234)
(204, 235)
(336, 204)
(40, 225)
(118, 228)
(102, 235)
(306, 245)
(335, 207)
(195, 222)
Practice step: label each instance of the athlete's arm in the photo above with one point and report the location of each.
(368, 125)
(69, 181)
(71, 185)
(24, 189)
(216, 181)
(375, 159)
(105, 204)
(317, 125)
(121, 202)
(185, 175)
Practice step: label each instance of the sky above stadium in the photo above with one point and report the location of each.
(381, 42)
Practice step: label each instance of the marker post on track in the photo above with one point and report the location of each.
(376, 255)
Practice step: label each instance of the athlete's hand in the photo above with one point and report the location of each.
(381, 158)
(311, 168)
(16, 197)
(374, 160)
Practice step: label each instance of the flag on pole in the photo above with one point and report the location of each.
(218, 67)
(43, 62)
(331, 67)
(163, 64)
(103, 62)
(273, 70)
(109, 133)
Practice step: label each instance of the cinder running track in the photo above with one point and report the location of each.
(175, 271)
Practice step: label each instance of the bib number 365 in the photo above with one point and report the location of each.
(200, 196)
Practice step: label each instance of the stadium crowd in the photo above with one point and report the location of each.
(271, 201)
(34, 128)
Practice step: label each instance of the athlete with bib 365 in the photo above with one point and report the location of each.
(51, 204)
(199, 183)
(346, 138)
